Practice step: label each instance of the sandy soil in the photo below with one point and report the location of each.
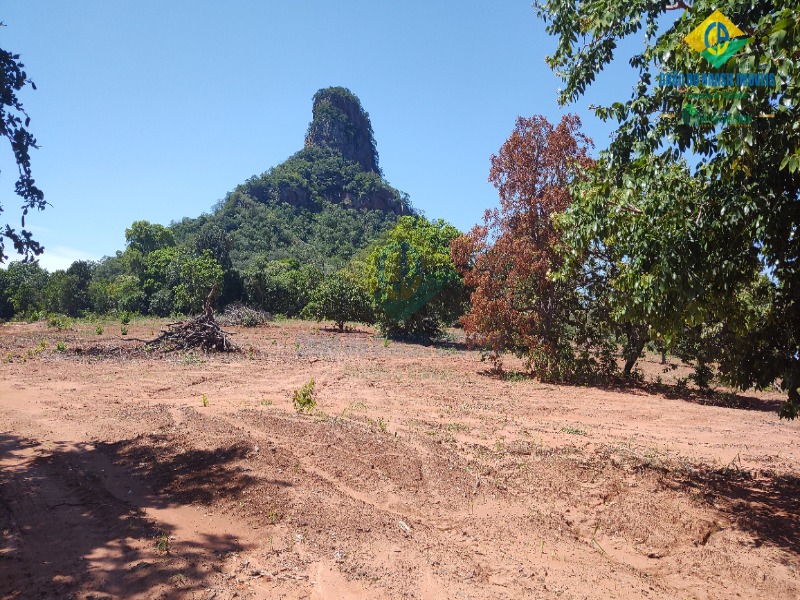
(419, 475)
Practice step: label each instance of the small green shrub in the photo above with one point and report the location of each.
(204, 400)
(99, 330)
(340, 298)
(515, 376)
(59, 322)
(123, 330)
(191, 359)
(383, 425)
(162, 543)
(573, 430)
(303, 399)
(61, 347)
(125, 317)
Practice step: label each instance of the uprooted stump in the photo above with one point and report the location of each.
(201, 332)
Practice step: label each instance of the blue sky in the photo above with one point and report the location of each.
(154, 110)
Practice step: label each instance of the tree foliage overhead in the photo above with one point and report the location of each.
(691, 255)
(14, 122)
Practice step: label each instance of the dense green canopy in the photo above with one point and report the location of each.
(693, 240)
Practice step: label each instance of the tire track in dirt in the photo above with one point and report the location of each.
(433, 536)
(394, 511)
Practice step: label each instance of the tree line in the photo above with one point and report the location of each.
(404, 281)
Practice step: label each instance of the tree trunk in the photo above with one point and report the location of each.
(791, 382)
(637, 338)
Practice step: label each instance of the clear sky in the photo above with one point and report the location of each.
(154, 110)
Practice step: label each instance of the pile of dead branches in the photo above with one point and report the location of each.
(201, 332)
(243, 316)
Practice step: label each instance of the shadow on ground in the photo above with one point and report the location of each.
(69, 528)
(765, 504)
(191, 476)
(718, 398)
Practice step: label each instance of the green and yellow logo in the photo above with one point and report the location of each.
(717, 39)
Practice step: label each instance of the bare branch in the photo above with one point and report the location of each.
(680, 4)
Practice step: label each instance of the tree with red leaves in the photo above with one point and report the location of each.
(509, 261)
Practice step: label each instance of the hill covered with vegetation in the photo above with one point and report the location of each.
(320, 206)
(269, 242)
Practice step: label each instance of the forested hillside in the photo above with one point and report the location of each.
(269, 242)
(316, 207)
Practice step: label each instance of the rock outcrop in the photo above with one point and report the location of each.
(338, 165)
(341, 124)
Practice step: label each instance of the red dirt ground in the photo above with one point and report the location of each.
(419, 475)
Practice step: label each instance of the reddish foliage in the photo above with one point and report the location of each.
(508, 260)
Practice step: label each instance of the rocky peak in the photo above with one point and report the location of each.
(341, 124)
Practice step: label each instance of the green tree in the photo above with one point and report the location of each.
(14, 122)
(143, 238)
(124, 293)
(26, 284)
(68, 291)
(691, 252)
(340, 298)
(6, 308)
(280, 286)
(415, 286)
(99, 298)
(176, 280)
(147, 237)
(217, 241)
(198, 276)
(214, 239)
(55, 292)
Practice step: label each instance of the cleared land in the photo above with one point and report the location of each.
(420, 475)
